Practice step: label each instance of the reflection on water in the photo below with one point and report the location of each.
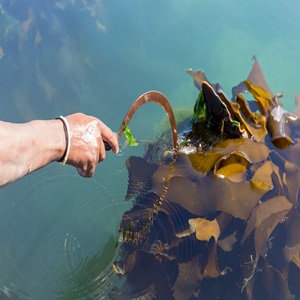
(58, 232)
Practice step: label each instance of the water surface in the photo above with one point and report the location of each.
(59, 232)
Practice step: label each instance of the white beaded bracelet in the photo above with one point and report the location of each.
(68, 140)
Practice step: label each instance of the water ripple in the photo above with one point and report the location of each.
(59, 232)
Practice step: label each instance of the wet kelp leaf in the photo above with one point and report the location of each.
(228, 242)
(189, 184)
(256, 77)
(205, 195)
(220, 118)
(208, 231)
(205, 229)
(291, 179)
(268, 283)
(214, 110)
(262, 178)
(189, 276)
(227, 197)
(232, 166)
(254, 123)
(263, 220)
(149, 282)
(278, 124)
(292, 152)
(140, 173)
(198, 77)
(250, 151)
(204, 162)
(278, 120)
(255, 152)
(274, 210)
(264, 101)
(180, 190)
(212, 269)
(292, 246)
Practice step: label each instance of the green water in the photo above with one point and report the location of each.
(59, 232)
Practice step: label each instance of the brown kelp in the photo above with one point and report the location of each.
(160, 99)
(228, 224)
(142, 228)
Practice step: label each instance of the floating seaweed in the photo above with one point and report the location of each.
(227, 226)
(142, 228)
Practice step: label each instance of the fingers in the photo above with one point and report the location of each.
(82, 173)
(102, 152)
(110, 137)
(88, 173)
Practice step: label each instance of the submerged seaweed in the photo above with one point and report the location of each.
(228, 224)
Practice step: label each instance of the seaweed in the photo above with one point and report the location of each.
(222, 214)
(135, 230)
(129, 137)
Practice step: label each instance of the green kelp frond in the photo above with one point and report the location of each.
(200, 111)
(129, 137)
(235, 124)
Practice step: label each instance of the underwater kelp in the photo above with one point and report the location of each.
(216, 216)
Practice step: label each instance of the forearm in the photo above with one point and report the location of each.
(27, 147)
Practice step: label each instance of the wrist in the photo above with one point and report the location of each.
(55, 139)
(67, 132)
(46, 142)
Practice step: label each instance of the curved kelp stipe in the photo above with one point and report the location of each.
(137, 229)
(156, 97)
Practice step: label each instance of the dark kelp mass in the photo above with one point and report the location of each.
(228, 224)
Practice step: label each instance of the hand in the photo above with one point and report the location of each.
(87, 148)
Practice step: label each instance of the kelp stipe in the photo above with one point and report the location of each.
(156, 97)
(135, 233)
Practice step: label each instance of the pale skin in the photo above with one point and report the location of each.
(30, 146)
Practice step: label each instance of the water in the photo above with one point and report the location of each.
(59, 232)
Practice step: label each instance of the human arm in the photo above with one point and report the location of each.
(27, 147)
